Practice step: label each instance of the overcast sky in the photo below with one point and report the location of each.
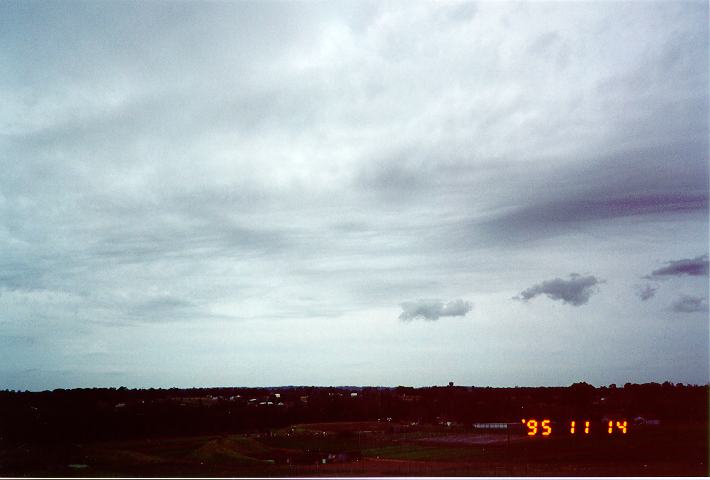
(242, 194)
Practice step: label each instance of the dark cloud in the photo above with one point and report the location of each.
(694, 267)
(690, 304)
(646, 291)
(604, 187)
(434, 309)
(575, 291)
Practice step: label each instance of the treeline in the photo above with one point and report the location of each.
(109, 413)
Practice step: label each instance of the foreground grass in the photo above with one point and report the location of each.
(672, 450)
(424, 453)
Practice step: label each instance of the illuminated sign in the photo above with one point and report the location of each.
(544, 427)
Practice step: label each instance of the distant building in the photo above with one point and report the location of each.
(195, 401)
(646, 421)
(491, 426)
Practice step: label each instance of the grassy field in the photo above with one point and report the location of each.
(673, 450)
(340, 427)
(425, 453)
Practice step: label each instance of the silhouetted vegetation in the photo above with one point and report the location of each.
(111, 414)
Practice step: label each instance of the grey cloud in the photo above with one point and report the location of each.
(604, 188)
(542, 43)
(693, 267)
(395, 178)
(21, 276)
(575, 291)
(463, 11)
(434, 309)
(162, 305)
(221, 174)
(17, 340)
(647, 291)
(690, 304)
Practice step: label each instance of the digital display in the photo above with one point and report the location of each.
(546, 427)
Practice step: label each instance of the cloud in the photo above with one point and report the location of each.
(690, 304)
(433, 309)
(224, 176)
(607, 187)
(646, 291)
(575, 291)
(694, 267)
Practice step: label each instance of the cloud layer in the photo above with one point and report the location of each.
(256, 187)
(693, 267)
(690, 304)
(575, 291)
(434, 309)
(646, 292)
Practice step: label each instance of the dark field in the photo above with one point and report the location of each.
(354, 431)
(369, 448)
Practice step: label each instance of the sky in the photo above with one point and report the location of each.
(353, 193)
